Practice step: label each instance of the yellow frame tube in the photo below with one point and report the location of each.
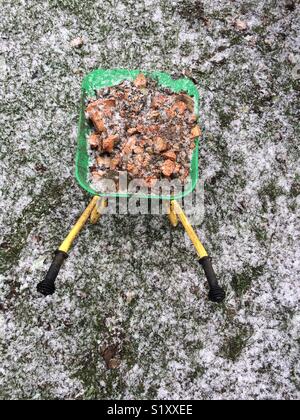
(172, 215)
(175, 207)
(96, 212)
(67, 243)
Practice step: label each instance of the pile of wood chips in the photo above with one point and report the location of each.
(141, 128)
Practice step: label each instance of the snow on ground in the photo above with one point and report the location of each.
(132, 285)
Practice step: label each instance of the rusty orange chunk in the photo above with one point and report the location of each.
(170, 113)
(170, 155)
(188, 100)
(98, 174)
(132, 130)
(154, 128)
(109, 103)
(109, 143)
(168, 167)
(93, 107)
(196, 131)
(114, 163)
(138, 150)
(98, 122)
(94, 140)
(160, 144)
(158, 101)
(140, 81)
(180, 107)
(129, 145)
(103, 161)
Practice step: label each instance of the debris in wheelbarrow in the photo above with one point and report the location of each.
(142, 128)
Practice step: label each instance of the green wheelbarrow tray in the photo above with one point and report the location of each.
(103, 78)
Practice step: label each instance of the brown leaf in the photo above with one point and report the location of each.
(188, 100)
(109, 354)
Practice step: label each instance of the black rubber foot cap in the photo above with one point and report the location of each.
(216, 294)
(45, 288)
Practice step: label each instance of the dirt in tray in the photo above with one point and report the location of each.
(143, 129)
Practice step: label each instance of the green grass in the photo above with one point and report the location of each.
(242, 282)
(234, 345)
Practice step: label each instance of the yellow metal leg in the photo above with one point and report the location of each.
(175, 208)
(67, 243)
(172, 215)
(216, 293)
(96, 212)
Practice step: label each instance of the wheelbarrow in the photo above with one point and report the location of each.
(92, 82)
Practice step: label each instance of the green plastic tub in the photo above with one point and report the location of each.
(104, 78)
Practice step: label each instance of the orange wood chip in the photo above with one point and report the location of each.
(130, 167)
(133, 168)
(193, 118)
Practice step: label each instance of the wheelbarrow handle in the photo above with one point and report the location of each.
(47, 286)
(216, 293)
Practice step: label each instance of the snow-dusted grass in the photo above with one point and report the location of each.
(134, 282)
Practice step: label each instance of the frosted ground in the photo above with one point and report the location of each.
(132, 289)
